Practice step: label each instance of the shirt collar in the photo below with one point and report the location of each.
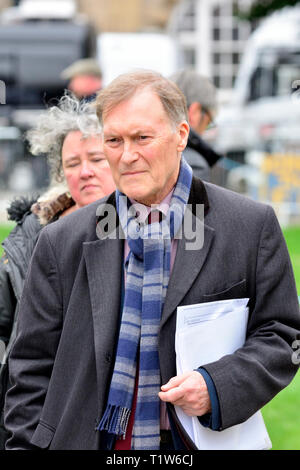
(143, 211)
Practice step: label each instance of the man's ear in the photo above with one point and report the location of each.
(183, 134)
(194, 114)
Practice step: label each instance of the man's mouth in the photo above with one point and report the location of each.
(132, 173)
(88, 187)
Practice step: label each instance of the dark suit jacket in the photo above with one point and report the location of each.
(63, 357)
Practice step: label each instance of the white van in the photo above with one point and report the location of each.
(121, 52)
(265, 105)
(259, 131)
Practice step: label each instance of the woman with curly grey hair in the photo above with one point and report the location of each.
(70, 135)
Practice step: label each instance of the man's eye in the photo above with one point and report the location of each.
(143, 137)
(113, 140)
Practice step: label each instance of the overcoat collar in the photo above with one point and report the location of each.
(103, 259)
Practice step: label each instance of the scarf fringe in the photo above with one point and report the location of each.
(115, 420)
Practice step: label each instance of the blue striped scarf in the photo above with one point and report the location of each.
(147, 278)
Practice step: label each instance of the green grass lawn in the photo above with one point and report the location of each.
(292, 237)
(4, 231)
(282, 414)
(282, 417)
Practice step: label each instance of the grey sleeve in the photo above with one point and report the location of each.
(32, 356)
(8, 302)
(246, 380)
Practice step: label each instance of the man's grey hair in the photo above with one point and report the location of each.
(197, 88)
(126, 85)
(70, 114)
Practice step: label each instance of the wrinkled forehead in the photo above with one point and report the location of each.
(143, 108)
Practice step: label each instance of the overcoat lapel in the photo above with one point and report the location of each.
(104, 258)
(188, 262)
(187, 266)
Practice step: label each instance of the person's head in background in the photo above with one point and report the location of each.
(84, 78)
(201, 98)
(70, 135)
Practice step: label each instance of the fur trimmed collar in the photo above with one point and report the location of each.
(48, 209)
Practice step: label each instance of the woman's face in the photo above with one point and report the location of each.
(86, 169)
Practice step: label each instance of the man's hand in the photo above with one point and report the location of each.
(189, 391)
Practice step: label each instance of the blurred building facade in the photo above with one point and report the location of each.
(211, 38)
(208, 35)
(129, 15)
(5, 4)
(120, 15)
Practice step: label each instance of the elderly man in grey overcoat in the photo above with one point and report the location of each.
(94, 364)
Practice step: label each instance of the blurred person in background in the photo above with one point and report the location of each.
(201, 97)
(84, 78)
(69, 134)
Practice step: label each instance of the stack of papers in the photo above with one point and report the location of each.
(204, 333)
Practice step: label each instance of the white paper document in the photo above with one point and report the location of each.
(204, 333)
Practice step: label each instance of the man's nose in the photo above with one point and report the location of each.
(130, 153)
(86, 170)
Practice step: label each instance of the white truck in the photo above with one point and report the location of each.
(264, 96)
(259, 130)
(121, 52)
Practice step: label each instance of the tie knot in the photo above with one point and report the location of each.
(155, 215)
(151, 230)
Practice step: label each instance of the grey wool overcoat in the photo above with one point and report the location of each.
(63, 357)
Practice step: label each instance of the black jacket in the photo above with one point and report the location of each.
(200, 156)
(18, 248)
(30, 216)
